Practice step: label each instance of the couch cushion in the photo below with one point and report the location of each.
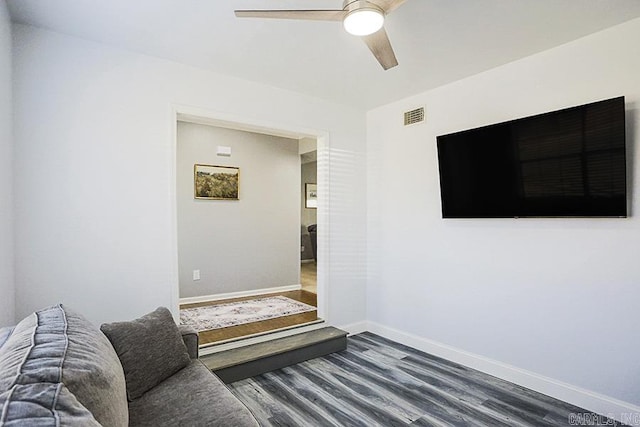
(4, 334)
(43, 404)
(191, 397)
(58, 345)
(14, 351)
(150, 349)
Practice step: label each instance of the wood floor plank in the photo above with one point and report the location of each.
(508, 394)
(296, 403)
(377, 382)
(337, 415)
(501, 390)
(261, 404)
(455, 389)
(361, 402)
(309, 277)
(424, 395)
(441, 382)
(373, 392)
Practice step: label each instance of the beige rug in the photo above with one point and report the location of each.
(241, 312)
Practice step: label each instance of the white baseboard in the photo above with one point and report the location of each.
(240, 294)
(355, 328)
(625, 412)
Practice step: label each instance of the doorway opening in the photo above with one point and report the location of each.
(234, 254)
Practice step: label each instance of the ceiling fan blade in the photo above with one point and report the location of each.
(310, 15)
(380, 46)
(388, 5)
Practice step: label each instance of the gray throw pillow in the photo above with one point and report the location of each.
(150, 349)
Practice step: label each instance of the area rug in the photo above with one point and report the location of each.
(241, 312)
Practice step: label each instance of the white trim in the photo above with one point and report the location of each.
(174, 275)
(323, 286)
(258, 338)
(231, 121)
(239, 294)
(355, 328)
(587, 399)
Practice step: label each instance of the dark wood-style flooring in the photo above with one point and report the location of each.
(377, 382)
(235, 332)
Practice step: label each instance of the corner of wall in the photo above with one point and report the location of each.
(7, 276)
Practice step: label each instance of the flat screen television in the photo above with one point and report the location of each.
(566, 163)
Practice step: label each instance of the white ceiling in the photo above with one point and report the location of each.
(436, 41)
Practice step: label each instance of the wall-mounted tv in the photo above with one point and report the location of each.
(566, 163)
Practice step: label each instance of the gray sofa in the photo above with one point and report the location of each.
(57, 369)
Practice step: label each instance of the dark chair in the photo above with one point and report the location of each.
(314, 239)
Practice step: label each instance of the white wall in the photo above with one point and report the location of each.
(7, 298)
(557, 297)
(239, 245)
(95, 219)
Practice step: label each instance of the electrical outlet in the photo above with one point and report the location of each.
(196, 274)
(301, 248)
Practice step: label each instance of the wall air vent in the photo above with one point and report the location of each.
(414, 116)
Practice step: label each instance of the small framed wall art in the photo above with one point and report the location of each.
(311, 196)
(216, 182)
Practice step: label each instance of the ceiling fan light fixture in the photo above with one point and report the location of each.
(363, 21)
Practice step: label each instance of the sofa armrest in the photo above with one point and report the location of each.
(5, 333)
(190, 338)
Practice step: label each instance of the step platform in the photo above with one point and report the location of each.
(249, 361)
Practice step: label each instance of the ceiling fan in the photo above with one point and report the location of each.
(363, 18)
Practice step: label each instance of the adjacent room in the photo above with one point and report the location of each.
(240, 249)
(319, 212)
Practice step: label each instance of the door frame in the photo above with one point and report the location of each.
(207, 117)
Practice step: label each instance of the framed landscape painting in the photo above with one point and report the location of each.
(216, 182)
(311, 196)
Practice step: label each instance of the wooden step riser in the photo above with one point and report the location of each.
(279, 361)
(255, 359)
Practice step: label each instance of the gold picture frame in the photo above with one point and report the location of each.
(311, 196)
(212, 182)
